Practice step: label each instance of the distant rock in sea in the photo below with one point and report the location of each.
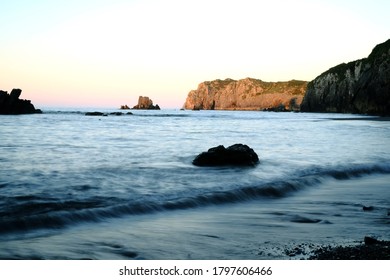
(101, 114)
(10, 104)
(145, 103)
(246, 94)
(361, 86)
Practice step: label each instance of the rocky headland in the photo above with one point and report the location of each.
(361, 86)
(10, 104)
(246, 94)
(145, 103)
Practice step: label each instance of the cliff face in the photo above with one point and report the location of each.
(246, 94)
(361, 86)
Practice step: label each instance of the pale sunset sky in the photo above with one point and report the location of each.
(99, 53)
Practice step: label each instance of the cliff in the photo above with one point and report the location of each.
(246, 94)
(361, 86)
(10, 104)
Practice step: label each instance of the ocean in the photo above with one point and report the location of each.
(124, 187)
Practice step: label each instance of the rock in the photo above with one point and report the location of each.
(95, 114)
(378, 250)
(246, 94)
(145, 103)
(107, 114)
(235, 155)
(370, 240)
(304, 220)
(368, 208)
(361, 86)
(124, 107)
(10, 104)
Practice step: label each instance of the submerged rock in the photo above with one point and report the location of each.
(368, 208)
(10, 104)
(235, 155)
(107, 114)
(95, 114)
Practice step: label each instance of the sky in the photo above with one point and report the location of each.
(95, 53)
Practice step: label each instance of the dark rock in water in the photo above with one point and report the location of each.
(95, 114)
(235, 155)
(304, 220)
(10, 104)
(129, 254)
(368, 208)
(370, 240)
(106, 114)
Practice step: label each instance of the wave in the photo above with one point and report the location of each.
(53, 214)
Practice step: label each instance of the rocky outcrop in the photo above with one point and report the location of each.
(145, 103)
(246, 94)
(361, 86)
(101, 114)
(235, 155)
(10, 104)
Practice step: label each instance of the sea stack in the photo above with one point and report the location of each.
(145, 103)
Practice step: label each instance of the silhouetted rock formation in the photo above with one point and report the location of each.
(145, 103)
(246, 94)
(10, 104)
(235, 155)
(361, 86)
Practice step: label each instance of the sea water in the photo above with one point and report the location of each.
(123, 187)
